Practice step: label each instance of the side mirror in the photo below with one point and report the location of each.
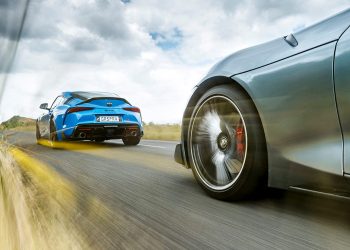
(44, 106)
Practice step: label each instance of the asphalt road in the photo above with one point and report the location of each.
(155, 203)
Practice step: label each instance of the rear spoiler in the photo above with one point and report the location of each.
(101, 98)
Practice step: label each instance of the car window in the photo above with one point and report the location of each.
(63, 101)
(57, 101)
(72, 101)
(88, 95)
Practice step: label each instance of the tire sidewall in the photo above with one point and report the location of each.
(53, 132)
(131, 141)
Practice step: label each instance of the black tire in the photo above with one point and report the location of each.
(99, 140)
(131, 141)
(53, 134)
(226, 144)
(37, 133)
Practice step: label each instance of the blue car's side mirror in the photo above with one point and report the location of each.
(44, 106)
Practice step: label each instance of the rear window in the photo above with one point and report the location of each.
(88, 95)
(73, 101)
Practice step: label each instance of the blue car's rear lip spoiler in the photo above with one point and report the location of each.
(102, 98)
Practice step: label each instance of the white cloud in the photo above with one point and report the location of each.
(108, 46)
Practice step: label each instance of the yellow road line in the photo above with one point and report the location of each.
(56, 185)
(45, 177)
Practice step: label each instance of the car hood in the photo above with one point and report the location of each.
(258, 56)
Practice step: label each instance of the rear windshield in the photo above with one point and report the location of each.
(88, 95)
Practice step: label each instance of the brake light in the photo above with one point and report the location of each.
(133, 109)
(77, 109)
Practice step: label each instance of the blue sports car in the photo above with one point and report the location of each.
(94, 116)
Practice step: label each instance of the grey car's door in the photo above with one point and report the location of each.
(342, 87)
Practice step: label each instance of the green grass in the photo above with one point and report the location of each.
(16, 122)
(164, 132)
(24, 128)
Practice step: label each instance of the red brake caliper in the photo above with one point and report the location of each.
(240, 141)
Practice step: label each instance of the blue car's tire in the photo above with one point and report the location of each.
(131, 141)
(99, 140)
(226, 145)
(53, 133)
(37, 133)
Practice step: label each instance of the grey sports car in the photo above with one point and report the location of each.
(277, 115)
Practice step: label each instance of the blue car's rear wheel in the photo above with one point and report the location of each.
(226, 144)
(37, 133)
(53, 133)
(131, 140)
(99, 140)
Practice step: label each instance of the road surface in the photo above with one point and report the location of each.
(155, 203)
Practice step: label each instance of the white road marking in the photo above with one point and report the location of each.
(152, 146)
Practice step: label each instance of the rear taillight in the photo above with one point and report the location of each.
(78, 109)
(133, 109)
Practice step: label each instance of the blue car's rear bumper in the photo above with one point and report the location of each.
(103, 131)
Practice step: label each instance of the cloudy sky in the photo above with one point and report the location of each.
(152, 52)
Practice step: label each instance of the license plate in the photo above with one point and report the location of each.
(109, 118)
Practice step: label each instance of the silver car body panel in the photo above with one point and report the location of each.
(342, 87)
(258, 56)
(296, 104)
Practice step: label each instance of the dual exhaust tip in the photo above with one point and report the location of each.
(82, 135)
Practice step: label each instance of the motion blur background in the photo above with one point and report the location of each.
(151, 52)
(107, 196)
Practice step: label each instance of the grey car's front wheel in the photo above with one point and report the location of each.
(226, 144)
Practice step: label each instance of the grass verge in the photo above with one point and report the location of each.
(163, 132)
(39, 209)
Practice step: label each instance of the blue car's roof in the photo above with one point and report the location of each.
(84, 95)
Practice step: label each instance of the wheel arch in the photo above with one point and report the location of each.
(58, 120)
(53, 120)
(200, 90)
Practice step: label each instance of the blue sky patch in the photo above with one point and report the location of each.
(167, 40)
